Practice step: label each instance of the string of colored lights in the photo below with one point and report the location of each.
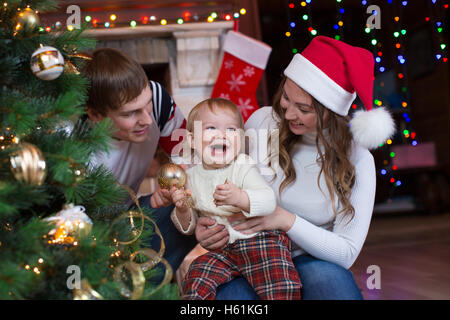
(339, 26)
(377, 50)
(388, 168)
(399, 34)
(291, 27)
(305, 17)
(154, 20)
(308, 17)
(405, 130)
(437, 25)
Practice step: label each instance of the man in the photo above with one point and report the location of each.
(144, 116)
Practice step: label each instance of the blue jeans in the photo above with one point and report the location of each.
(177, 244)
(321, 280)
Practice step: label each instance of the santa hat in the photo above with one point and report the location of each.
(333, 72)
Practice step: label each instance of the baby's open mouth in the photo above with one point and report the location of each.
(218, 149)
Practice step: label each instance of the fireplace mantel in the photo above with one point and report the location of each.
(156, 31)
(192, 50)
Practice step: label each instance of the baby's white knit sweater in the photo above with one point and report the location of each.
(315, 230)
(243, 173)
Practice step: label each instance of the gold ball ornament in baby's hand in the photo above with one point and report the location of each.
(170, 175)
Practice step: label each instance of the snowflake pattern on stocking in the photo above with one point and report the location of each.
(229, 64)
(245, 106)
(249, 71)
(236, 82)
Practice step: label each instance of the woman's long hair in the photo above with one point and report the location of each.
(338, 171)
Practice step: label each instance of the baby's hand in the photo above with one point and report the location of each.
(227, 194)
(180, 198)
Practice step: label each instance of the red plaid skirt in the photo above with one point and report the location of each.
(264, 260)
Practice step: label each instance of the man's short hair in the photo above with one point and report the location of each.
(115, 79)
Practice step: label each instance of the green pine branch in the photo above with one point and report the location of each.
(50, 115)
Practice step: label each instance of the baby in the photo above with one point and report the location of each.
(227, 182)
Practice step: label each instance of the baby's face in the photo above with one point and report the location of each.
(220, 139)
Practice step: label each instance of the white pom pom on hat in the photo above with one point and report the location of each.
(333, 72)
(372, 127)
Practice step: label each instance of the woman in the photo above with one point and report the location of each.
(325, 177)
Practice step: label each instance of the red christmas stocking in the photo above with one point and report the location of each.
(243, 64)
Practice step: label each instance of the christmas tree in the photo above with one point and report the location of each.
(65, 232)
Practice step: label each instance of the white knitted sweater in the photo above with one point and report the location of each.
(243, 173)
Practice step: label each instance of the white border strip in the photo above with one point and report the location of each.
(248, 49)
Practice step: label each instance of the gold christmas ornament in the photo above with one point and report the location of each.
(86, 292)
(47, 63)
(72, 223)
(69, 67)
(173, 175)
(170, 175)
(26, 19)
(28, 164)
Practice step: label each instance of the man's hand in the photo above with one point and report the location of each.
(160, 198)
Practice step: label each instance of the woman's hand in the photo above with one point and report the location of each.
(280, 219)
(209, 237)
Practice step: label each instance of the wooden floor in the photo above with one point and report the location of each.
(413, 254)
